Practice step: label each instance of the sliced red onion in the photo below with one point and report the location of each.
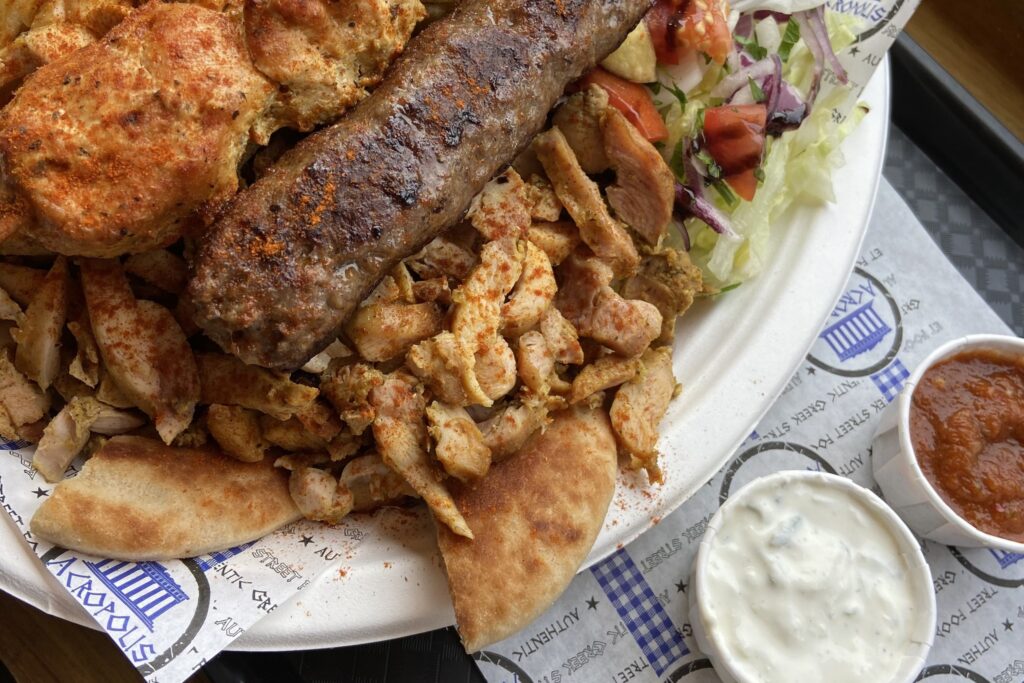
(772, 84)
(685, 235)
(744, 26)
(694, 166)
(789, 111)
(691, 201)
(779, 17)
(815, 35)
(757, 71)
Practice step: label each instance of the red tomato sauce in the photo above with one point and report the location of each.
(967, 427)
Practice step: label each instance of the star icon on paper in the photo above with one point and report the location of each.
(40, 492)
(854, 51)
(680, 587)
(1007, 625)
(811, 371)
(306, 540)
(591, 603)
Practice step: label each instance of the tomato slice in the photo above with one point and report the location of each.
(744, 184)
(734, 136)
(632, 99)
(681, 26)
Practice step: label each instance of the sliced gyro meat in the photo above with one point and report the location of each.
(556, 239)
(108, 392)
(38, 334)
(229, 381)
(639, 406)
(85, 366)
(476, 317)
(382, 331)
(532, 294)
(535, 362)
(401, 435)
(579, 118)
(582, 199)
(561, 337)
(318, 418)
(159, 268)
(626, 326)
(506, 432)
(604, 373)
(347, 386)
(21, 282)
(68, 432)
(373, 484)
(669, 280)
(319, 495)
(502, 209)
(22, 402)
(644, 191)
(597, 311)
(142, 347)
(237, 431)
(442, 257)
(458, 444)
(435, 290)
(495, 369)
(290, 434)
(545, 205)
(439, 363)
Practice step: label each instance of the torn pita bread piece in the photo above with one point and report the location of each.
(535, 517)
(137, 499)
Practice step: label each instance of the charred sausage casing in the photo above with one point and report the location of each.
(276, 277)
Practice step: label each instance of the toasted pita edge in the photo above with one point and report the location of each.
(137, 499)
(535, 517)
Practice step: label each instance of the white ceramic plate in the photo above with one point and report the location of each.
(734, 356)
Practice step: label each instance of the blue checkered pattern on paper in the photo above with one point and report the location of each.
(634, 600)
(207, 562)
(15, 445)
(891, 380)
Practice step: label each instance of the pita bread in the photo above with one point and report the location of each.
(137, 499)
(535, 517)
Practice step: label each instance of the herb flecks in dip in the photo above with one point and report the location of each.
(967, 427)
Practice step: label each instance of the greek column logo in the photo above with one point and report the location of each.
(146, 588)
(864, 332)
(857, 332)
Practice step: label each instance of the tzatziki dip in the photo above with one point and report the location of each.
(804, 576)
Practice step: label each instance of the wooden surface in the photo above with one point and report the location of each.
(38, 648)
(981, 44)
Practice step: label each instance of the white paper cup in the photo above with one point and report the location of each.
(923, 633)
(899, 474)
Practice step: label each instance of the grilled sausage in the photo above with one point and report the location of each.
(276, 277)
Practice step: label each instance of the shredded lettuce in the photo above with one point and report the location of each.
(798, 166)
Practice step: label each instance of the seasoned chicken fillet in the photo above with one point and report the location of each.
(114, 147)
